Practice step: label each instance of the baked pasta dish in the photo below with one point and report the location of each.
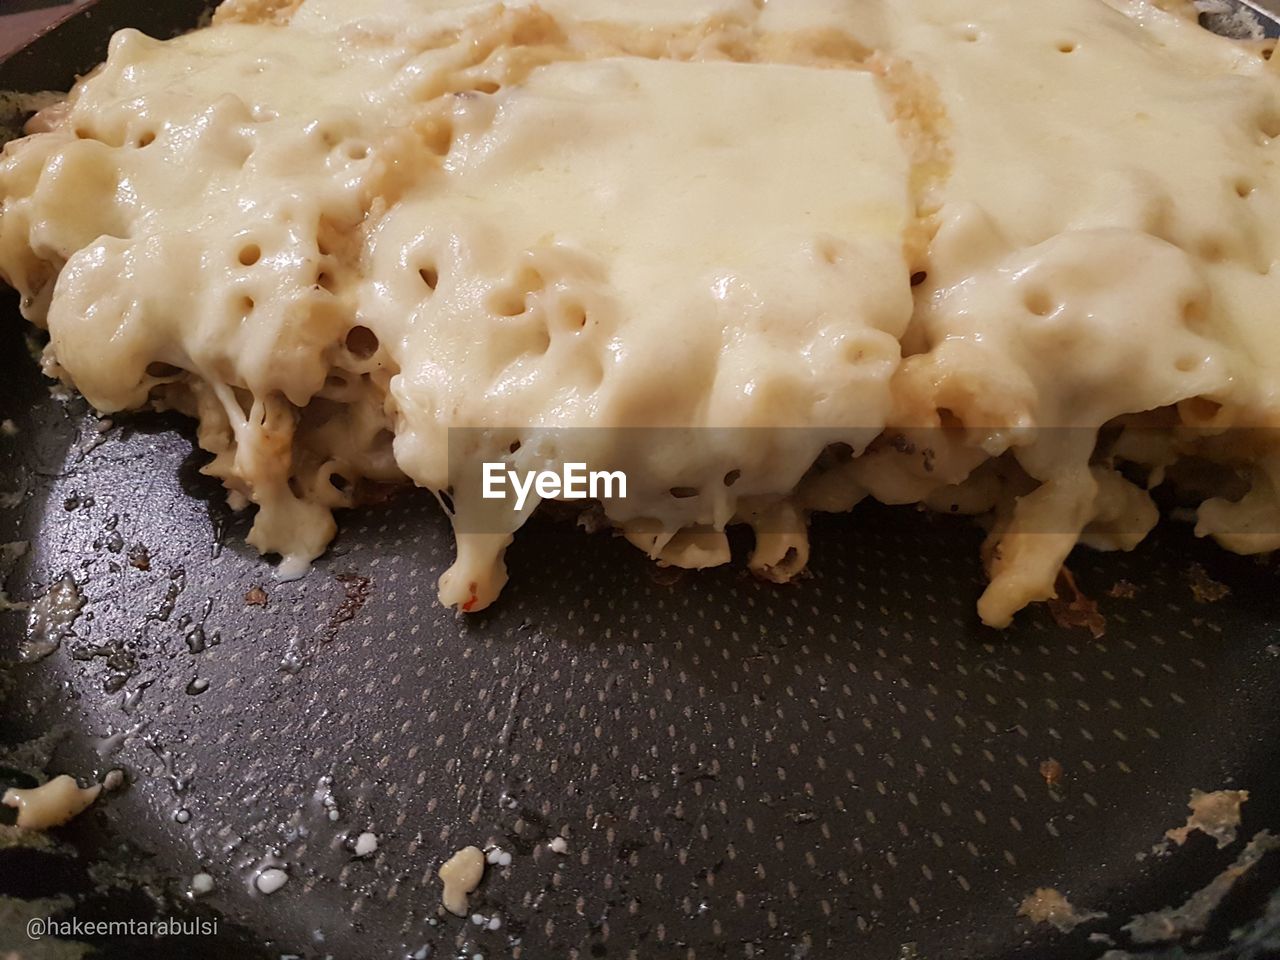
(1009, 258)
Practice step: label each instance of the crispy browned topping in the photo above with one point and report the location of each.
(1052, 771)
(140, 556)
(1203, 587)
(357, 595)
(1122, 590)
(1071, 608)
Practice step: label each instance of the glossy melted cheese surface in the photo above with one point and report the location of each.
(707, 243)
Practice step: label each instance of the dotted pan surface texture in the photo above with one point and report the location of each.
(849, 766)
(849, 763)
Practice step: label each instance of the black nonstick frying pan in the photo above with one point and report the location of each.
(693, 766)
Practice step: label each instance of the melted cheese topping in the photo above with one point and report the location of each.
(1047, 905)
(51, 804)
(551, 233)
(460, 875)
(1216, 814)
(766, 259)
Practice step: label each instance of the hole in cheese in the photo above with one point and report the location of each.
(507, 303)
(1269, 125)
(1199, 411)
(362, 342)
(437, 136)
(1039, 303)
(1194, 315)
